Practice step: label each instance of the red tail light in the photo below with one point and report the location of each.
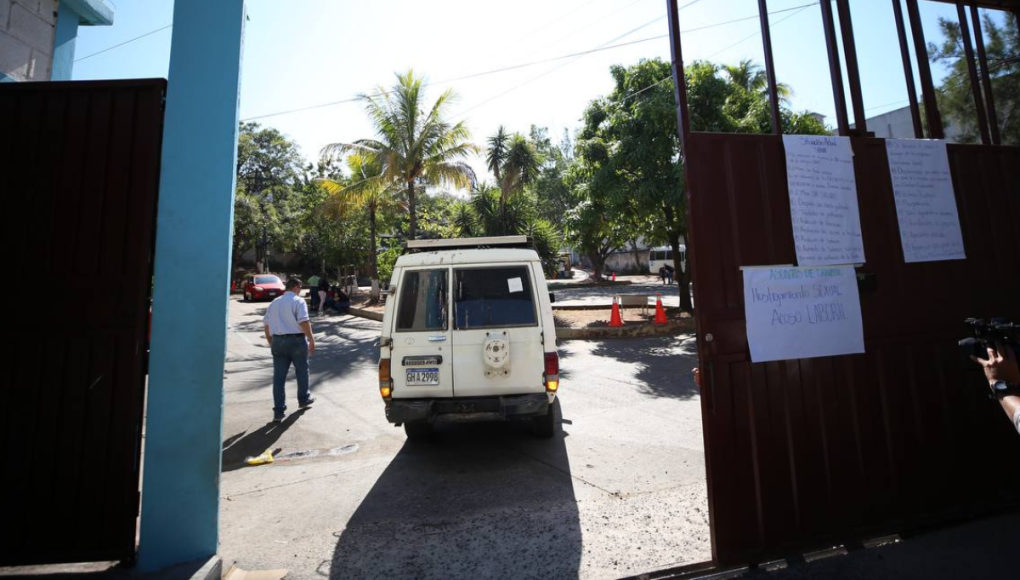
(552, 372)
(385, 381)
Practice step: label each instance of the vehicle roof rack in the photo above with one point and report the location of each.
(413, 246)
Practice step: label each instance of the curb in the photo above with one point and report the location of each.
(606, 306)
(554, 286)
(376, 316)
(626, 331)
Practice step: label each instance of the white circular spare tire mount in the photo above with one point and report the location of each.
(496, 353)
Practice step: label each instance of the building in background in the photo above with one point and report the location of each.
(897, 124)
(37, 37)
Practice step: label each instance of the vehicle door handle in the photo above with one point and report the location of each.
(439, 338)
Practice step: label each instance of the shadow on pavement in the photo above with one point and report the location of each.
(478, 501)
(344, 349)
(663, 363)
(237, 448)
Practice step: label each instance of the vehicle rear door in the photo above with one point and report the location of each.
(421, 361)
(496, 305)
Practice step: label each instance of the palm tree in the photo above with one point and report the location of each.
(369, 189)
(496, 153)
(514, 163)
(751, 77)
(414, 144)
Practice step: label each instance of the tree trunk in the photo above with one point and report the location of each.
(681, 275)
(260, 257)
(412, 228)
(373, 261)
(502, 199)
(596, 267)
(502, 213)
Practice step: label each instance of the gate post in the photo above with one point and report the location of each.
(180, 495)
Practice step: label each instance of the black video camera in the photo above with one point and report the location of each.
(986, 334)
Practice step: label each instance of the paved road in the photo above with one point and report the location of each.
(620, 491)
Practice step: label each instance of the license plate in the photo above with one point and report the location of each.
(421, 377)
(272, 293)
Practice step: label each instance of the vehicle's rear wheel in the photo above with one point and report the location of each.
(418, 430)
(545, 425)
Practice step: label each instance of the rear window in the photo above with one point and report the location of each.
(423, 301)
(494, 298)
(267, 280)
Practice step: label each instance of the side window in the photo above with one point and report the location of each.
(668, 255)
(494, 298)
(423, 301)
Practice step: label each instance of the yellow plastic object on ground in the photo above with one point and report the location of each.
(266, 457)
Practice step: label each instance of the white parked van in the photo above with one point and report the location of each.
(468, 335)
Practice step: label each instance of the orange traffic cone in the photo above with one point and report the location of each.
(660, 314)
(615, 321)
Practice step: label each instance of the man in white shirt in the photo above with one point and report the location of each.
(290, 338)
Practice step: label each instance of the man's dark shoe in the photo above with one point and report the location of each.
(277, 419)
(306, 402)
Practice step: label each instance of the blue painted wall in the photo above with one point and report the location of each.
(180, 493)
(63, 42)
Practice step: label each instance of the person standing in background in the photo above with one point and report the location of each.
(290, 338)
(323, 289)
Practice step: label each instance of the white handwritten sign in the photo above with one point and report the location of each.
(925, 203)
(823, 200)
(802, 312)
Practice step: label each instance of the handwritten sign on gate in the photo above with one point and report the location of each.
(925, 203)
(802, 312)
(823, 200)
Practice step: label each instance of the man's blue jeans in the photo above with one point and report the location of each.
(289, 349)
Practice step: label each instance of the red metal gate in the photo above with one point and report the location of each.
(803, 453)
(79, 172)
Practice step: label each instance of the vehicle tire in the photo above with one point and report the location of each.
(545, 426)
(418, 430)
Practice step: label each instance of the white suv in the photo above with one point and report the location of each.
(468, 335)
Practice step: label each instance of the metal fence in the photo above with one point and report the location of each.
(80, 169)
(804, 454)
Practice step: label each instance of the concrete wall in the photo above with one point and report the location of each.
(27, 29)
(628, 262)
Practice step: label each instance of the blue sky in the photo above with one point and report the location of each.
(301, 53)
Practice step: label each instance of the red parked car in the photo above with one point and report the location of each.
(262, 287)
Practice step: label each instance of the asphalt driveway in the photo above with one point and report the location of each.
(620, 491)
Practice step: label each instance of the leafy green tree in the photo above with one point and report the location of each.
(630, 149)
(592, 229)
(438, 218)
(388, 259)
(955, 100)
(550, 187)
(630, 145)
(268, 172)
(366, 190)
(416, 144)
